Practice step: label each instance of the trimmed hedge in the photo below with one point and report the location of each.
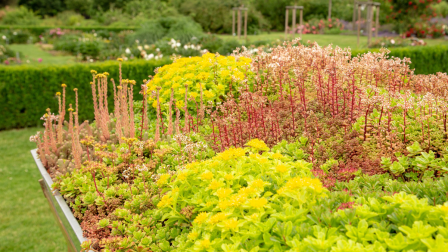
(37, 30)
(27, 91)
(425, 59)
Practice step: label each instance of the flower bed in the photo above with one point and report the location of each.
(303, 148)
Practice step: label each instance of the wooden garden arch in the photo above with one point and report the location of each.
(357, 15)
(239, 9)
(294, 11)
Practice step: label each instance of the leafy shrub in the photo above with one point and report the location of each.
(5, 53)
(83, 7)
(411, 13)
(19, 16)
(229, 46)
(17, 36)
(315, 26)
(215, 16)
(441, 8)
(106, 5)
(182, 29)
(152, 9)
(87, 47)
(68, 43)
(423, 30)
(90, 48)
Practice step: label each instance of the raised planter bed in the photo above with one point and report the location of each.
(64, 217)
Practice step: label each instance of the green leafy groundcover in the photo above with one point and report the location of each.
(241, 200)
(27, 91)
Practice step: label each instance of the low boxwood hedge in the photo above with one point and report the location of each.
(37, 30)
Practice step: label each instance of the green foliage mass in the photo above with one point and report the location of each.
(44, 7)
(19, 16)
(378, 185)
(216, 15)
(26, 91)
(241, 200)
(182, 29)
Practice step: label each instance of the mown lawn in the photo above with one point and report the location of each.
(26, 222)
(322, 39)
(33, 53)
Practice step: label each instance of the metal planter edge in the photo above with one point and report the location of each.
(63, 213)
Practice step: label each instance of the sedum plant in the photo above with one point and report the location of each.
(137, 184)
(200, 79)
(241, 199)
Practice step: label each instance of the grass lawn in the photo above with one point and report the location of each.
(26, 222)
(33, 53)
(322, 39)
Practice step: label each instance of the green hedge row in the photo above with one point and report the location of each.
(425, 59)
(37, 30)
(27, 91)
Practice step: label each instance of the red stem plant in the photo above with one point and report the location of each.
(328, 83)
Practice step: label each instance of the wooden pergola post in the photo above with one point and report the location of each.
(359, 23)
(245, 25)
(239, 24)
(294, 19)
(233, 23)
(286, 23)
(369, 23)
(377, 22)
(371, 6)
(329, 9)
(355, 6)
(239, 21)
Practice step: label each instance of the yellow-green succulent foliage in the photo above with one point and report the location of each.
(245, 201)
(237, 191)
(211, 72)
